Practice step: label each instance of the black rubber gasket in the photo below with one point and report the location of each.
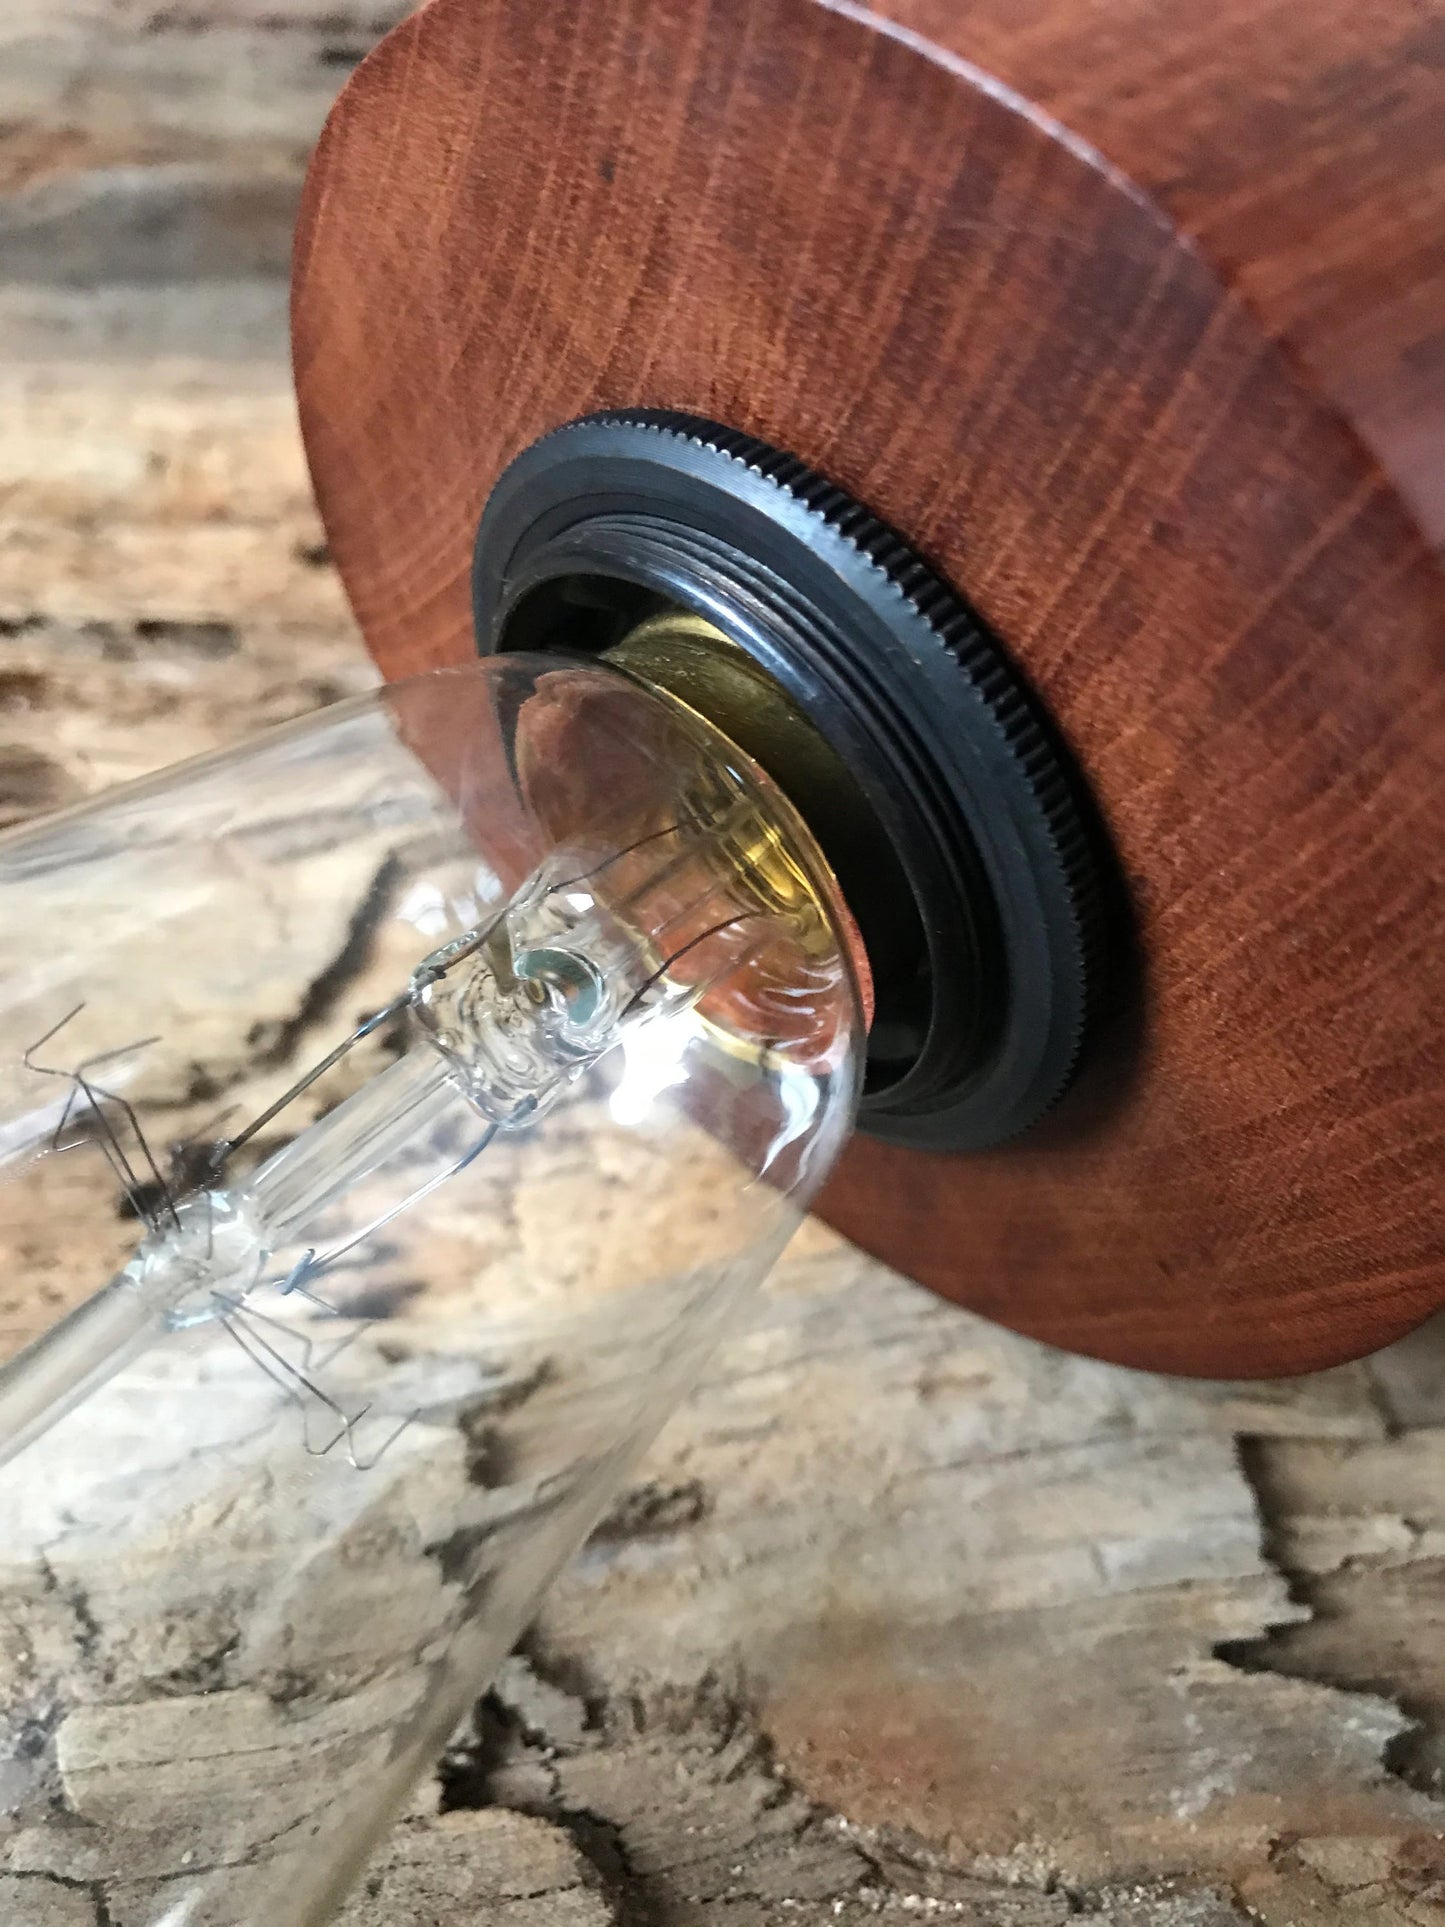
(987, 901)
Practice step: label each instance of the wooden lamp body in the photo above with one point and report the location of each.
(1132, 319)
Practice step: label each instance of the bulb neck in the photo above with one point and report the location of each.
(690, 659)
(726, 573)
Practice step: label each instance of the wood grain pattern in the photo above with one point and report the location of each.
(1299, 143)
(782, 215)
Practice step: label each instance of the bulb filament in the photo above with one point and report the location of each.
(496, 1023)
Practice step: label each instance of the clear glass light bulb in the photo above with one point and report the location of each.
(425, 1084)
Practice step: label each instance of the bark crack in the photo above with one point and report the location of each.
(1340, 1645)
(275, 1045)
(93, 1890)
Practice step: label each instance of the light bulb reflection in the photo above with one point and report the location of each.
(653, 1058)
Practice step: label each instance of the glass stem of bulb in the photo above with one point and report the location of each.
(497, 1023)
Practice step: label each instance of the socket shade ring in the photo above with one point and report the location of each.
(959, 829)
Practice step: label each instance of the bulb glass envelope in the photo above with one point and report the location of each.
(393, 1111)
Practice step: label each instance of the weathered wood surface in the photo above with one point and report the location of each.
(904, 1617)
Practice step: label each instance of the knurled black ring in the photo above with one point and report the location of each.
(976, 797)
